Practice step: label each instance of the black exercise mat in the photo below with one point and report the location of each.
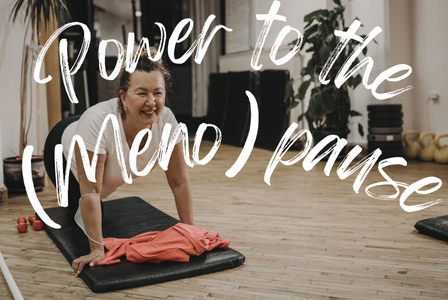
(126, 218)
(434, 227)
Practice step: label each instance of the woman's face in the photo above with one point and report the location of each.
(145, 98)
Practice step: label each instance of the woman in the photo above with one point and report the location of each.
(141, 104)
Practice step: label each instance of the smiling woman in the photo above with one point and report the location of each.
(140, 105)
(143, 102)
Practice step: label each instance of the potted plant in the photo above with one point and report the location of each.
(36, 13)
(329, 108)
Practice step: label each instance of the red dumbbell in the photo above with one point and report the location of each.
(37, 225)
(21, 219)
(22, 227)
(32, 218)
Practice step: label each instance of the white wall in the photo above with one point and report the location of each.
(414, 34)
(11, 45)
(417, 37)
(371, 14)
(400, 51)
(429, 46)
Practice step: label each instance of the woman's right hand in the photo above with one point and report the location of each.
(91, 259)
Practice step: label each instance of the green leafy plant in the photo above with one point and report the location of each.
(329, 107)
(37, 12)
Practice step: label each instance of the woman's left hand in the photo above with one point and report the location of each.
(177, 176)
(91, 259)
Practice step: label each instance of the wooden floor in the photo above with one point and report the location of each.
(307, 236)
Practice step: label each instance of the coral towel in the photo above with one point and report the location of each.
(176, 243)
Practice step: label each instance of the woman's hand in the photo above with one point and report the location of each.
(90, 207)
(179, 182)
(91, 259)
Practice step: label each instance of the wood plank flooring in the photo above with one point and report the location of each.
(307, 236)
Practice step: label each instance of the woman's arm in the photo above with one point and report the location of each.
(177, 176)
(90, 206)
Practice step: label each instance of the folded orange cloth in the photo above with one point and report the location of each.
(176, 243)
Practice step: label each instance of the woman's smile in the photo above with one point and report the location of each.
(149, 113)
